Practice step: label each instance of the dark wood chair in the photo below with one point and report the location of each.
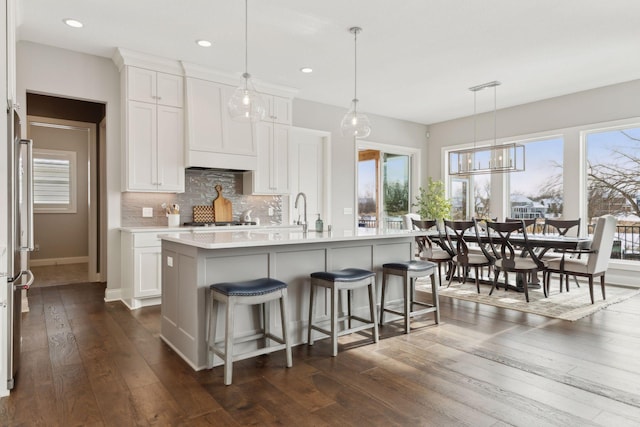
(521, 260)
(562, 227)
(464, 258)
(437, 251)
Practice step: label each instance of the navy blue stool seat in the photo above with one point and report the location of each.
(251, 292)
(408, 272)
(347, 279)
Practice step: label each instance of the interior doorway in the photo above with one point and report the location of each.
(68, 225)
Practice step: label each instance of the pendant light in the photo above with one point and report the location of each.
(496, 158)
(355, 124)
(246, 104)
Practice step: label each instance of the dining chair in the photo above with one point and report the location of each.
(437, 251)
(456, 231)
(530, 223)
(597, 262)
(561, 227)
(521, 260)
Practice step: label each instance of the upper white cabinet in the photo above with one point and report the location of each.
(213, 139)
(153, 87)
(153, 122)
(278, 110)
(272, 174)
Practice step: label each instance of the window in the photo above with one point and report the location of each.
(536, 192)
(54, 181)
(474, 188)
(383, 188)
(613, 185)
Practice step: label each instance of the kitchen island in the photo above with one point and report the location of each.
(193, 261)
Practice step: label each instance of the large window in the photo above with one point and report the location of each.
(536, 192)
(54, 181)
(613, 185)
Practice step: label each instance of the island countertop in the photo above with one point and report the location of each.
(275, 237)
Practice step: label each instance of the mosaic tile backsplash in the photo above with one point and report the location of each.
(200, 190)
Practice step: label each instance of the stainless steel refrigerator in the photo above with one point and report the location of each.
(19, 236)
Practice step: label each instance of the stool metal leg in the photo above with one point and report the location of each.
(228, 345)
(436, 299)
(372, 309)
(312, 289)
(408, 298)
(334, 321)
(383, 290)
(284, 318)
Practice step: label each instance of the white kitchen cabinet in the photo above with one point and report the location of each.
(154, 131)
(154, 87)
(278, 109)
(213, 139)
(141, 260)
(272, 173)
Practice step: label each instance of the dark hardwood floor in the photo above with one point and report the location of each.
(85, 362)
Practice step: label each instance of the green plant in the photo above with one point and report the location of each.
(432, 202)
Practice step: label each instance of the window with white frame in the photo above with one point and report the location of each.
(537, 192)
(54, 181)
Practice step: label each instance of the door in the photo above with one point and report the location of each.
(65, 230)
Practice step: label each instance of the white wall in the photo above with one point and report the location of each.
(313, 115)
(59, 72)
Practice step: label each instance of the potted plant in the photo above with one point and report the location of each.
(432, 203)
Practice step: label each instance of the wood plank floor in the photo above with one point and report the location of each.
(86, 362)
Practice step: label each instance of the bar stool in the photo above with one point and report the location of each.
(252, 292)
(347, 279)
(409, 271)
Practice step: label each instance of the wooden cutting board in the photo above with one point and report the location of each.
(222, 210)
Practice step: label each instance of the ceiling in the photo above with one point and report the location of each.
(416, 58)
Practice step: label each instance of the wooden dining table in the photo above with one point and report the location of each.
(542, 242)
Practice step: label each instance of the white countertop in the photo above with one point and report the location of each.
(273, 237)
(184, 229)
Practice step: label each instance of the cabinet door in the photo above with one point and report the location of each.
(141, 171)
(272, 174)
(170, 149)
(147, 274)
(262, 177)
(281, 110)
(205, 111)
(237, 137)
(280, 159)
(141, 85)
(170, 90)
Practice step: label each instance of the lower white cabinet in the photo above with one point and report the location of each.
(141, 268)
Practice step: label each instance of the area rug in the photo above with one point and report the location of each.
(572, 305)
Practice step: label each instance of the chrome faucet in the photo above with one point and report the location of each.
(295, 205)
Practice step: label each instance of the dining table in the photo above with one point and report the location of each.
(541, 243)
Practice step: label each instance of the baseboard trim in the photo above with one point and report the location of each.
(58, 261)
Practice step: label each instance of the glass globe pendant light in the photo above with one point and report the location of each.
(246, 104)
(354, 123)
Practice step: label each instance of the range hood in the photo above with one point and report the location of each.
(224, 161)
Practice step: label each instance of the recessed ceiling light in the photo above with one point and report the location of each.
(306, 70)
(203, 43)
(73, 23)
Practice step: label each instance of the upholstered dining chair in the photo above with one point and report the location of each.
(438, 252)
(464, 259)
(561, 227)
(597, 262)
(521, 260)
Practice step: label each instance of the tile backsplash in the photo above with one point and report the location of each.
(200, 190)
